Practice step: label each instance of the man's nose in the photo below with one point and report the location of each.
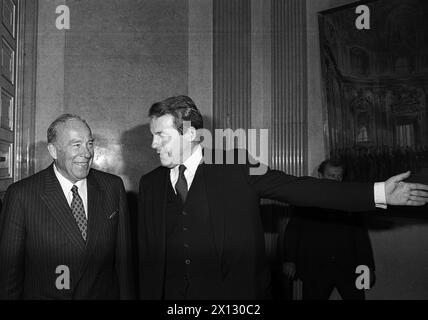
(155, 142)
(86, 152)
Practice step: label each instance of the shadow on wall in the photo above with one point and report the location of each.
(138, 156)
(130, 157)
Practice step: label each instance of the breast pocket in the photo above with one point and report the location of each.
(113, 215)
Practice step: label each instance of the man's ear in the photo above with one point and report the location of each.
(52, 150)
(191, 134)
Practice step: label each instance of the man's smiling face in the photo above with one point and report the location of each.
(73, 150)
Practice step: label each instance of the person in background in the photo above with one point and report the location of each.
(323, 247)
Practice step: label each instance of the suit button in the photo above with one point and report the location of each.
(185, 229)
(187, 261)
(186, 245)
(184, 213)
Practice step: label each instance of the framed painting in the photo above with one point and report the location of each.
(374, 60)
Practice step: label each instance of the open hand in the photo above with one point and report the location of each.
(399, 193)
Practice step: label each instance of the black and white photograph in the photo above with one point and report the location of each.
(214, 155)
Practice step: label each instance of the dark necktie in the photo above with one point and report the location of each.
(181, 185)
(78, 211)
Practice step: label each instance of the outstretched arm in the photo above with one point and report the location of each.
(311, 192)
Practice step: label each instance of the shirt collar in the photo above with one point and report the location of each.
(66, 184)
(193, 161)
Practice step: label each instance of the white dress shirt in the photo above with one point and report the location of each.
(191, 164)
(66, 186)
(195, 159)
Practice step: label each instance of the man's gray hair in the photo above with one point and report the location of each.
(62, 119)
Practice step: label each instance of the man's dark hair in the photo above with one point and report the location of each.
(52, 132)
(182, 108)
(337, 163)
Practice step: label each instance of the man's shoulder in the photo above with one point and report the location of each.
(155, 174)
(105, 177)
(31, 185)
(35, 180)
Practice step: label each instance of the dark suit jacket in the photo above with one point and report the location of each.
(38, 233)
(233, 199)
(314, 238)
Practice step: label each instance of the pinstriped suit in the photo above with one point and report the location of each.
(38, 233)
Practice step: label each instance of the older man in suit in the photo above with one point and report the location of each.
(200, 234)
(64, 232)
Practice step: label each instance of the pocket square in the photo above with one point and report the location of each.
(113, 214)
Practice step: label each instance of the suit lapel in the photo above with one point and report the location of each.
(54, 198)
(97, 216)
(214, 191)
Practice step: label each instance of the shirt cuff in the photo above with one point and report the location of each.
(380, 195)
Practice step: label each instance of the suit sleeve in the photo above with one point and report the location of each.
(124, 258)
(311, 192)
(12, 240)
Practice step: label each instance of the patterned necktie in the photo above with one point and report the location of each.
(181, 185)
(79, 211)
